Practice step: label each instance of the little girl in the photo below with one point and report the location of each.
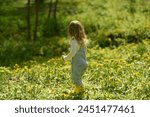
(77, 54)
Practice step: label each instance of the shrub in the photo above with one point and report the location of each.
(141, 49)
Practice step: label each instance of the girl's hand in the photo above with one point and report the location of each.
(63, 56)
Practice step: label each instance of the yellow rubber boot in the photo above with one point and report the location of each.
(79, 89)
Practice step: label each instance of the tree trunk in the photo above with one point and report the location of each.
(28, 21)
(36, 19)
(54, 16)
(55, 9)
(51, 21)
(50, 9)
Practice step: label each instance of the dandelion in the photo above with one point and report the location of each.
(100, 65)
(106, 60)
(136, 74)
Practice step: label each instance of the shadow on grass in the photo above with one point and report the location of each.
(13, 52)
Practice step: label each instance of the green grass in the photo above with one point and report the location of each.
(120, 73)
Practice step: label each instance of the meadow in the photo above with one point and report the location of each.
(118, 51)
(121, 73)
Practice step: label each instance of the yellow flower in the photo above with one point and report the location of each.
(106, 60)
(136, 74)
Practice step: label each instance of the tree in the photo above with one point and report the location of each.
(36, 19)
(28, 21)
(50, 10)
(51, 27)
(54, 16)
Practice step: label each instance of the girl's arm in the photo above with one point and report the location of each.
(73, 50)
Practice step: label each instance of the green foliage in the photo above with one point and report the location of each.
(52, 28)
(127, 21)
(17, 51)
(141, 49)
